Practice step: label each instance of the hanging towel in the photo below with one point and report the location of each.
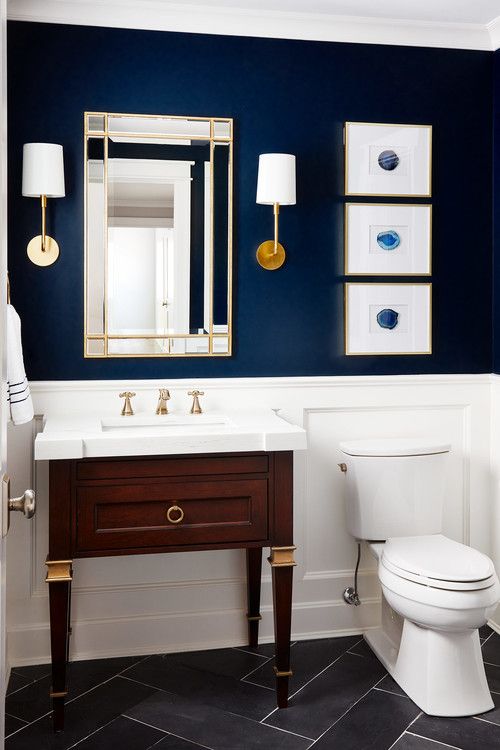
(18, 390)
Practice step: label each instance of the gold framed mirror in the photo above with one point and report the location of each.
(158, 235)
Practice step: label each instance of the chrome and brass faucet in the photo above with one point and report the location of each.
(127, 410)
(162, 407)
(196, 408)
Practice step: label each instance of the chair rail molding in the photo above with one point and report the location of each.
(201, 19)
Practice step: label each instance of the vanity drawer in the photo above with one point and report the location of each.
(171, 467)
(143, 516)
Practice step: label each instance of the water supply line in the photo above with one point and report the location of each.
(351, 593)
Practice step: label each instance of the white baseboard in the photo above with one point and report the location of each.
(493, 625)
(189, 631)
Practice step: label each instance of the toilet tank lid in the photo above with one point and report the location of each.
(436, 556)
(386, 447)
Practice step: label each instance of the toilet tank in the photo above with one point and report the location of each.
(394, 487)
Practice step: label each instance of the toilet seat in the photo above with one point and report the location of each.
(449, 602)
(438, 562)
(437, 584)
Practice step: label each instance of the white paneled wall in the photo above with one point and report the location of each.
(151, 603)
(494, 515)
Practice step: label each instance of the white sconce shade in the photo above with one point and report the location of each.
(276, 180)
(43, 170)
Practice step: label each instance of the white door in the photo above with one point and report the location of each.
(3, 303)
(26, 503)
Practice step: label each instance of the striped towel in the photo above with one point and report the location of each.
(19, 396)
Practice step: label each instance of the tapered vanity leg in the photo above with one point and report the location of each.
(254, 571)
(282, 563)
(59, 577)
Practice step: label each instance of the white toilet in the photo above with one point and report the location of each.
(436, 592)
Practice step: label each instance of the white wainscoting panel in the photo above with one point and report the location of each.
(151, 603)
(495, 483)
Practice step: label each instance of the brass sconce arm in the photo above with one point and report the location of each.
(271, 253)
(276, 208)
(43, 201)
(43, 250)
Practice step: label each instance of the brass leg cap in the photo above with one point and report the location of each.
(277, 672)
(269, 259)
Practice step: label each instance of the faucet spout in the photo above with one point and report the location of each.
(164, 396)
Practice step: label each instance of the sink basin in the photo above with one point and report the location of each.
(87, 436)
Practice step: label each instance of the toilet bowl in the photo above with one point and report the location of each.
(444, 591)
(436, 592)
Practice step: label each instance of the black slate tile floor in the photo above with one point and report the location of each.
(33, 701)
(341, 699)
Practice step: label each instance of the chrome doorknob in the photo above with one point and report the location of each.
(25, 504)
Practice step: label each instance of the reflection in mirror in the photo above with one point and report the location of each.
(163, 129)
(158, 236)
(95, 123)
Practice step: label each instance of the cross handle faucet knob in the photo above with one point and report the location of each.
(127, 410)
(196, 408)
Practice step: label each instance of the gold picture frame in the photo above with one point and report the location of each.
(372, 272)
(373, 285)
(385, 193)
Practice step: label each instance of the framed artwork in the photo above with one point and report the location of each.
(388, 318)
(393, 160)
(388, 239)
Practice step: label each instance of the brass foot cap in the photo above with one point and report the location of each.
(282, 674)
(61, 694)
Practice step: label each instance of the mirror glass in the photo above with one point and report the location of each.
(158, 241)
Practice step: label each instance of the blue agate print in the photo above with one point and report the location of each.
(387, 318)
(388, 160)
(388, 240)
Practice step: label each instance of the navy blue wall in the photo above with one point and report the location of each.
(496, 214)
(285, 96)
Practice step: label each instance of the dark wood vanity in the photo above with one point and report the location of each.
(156, 504)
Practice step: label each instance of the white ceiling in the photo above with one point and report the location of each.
(437, 11)
(460, 24)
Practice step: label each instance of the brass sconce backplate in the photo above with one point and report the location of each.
(46, 256)
(268, 257)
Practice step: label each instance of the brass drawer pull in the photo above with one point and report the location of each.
(173, 510)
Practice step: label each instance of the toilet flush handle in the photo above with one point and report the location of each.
(343, 468)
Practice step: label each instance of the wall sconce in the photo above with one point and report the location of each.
(275, 186)
(43, 177)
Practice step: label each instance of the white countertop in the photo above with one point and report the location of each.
(149, 435)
